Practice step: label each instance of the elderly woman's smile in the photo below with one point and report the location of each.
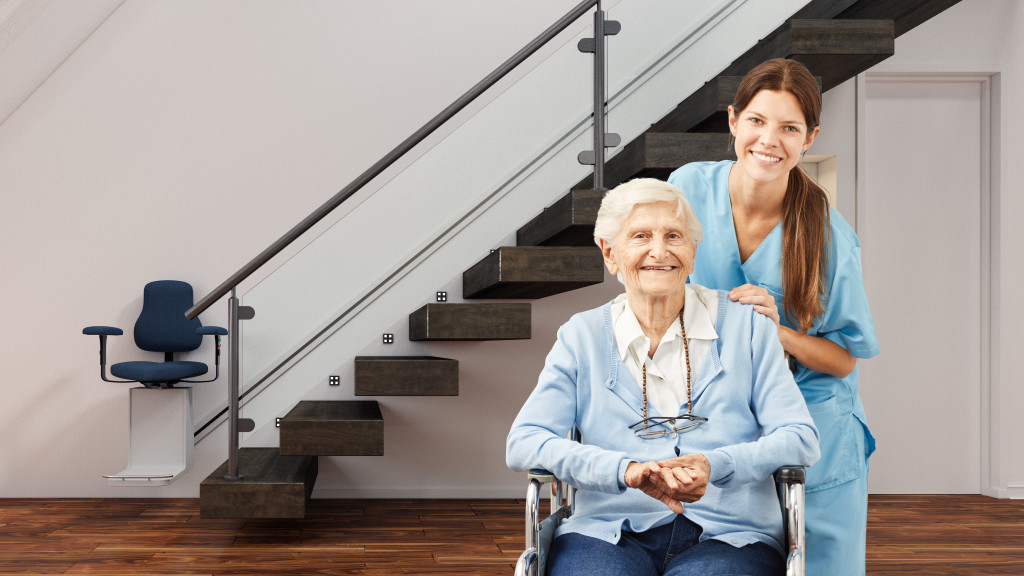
(651, 252)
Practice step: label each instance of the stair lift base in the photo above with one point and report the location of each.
(160, 437)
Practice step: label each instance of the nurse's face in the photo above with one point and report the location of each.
(651, 251)
(770, 133)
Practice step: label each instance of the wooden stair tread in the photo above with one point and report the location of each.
(836, 50)
(471, 321)
(272, 486)
(706, 110)
(333, 428)
(567, 222)
(533, 271)
(406, 376)
(658, 154)
(905, 14)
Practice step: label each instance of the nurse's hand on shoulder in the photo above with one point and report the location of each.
(760, 298)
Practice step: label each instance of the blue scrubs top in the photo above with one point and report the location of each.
(833, 402)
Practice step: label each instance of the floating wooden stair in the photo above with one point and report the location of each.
(490, 321)
(272, 486)
(567, 222)
(905, 14)
(836, 50)
(706, 110)
(406, 376)
(533, 271)
(347, 428)
(656, 155)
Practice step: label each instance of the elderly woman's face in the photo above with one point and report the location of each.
(652, 251)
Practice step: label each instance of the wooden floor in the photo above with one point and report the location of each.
(933, 535)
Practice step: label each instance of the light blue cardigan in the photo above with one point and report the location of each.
(757, 422)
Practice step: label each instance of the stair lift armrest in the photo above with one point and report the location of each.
(216, 332)
(103, 332)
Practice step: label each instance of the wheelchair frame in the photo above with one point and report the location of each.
(789, 481)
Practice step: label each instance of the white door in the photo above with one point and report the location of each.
(920, 199)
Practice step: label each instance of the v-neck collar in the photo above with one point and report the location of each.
(776, 230)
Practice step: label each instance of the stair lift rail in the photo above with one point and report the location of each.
(602, 28)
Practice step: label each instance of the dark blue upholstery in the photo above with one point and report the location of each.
(174, 371)
(162, 327)
(102, 331)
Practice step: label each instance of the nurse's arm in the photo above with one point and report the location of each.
(817, 353)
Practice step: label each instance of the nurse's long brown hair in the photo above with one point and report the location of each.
(805, 211)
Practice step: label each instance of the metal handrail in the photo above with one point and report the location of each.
(392, 157)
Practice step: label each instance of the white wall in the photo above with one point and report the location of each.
(988, 43)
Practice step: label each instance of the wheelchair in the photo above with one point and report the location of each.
(540, 533)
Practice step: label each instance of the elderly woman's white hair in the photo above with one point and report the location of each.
(619, 202)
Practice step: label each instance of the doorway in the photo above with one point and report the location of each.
(922, 198)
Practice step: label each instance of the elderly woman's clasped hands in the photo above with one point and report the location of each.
(673, 481)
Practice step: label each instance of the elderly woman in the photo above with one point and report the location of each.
(685, 405)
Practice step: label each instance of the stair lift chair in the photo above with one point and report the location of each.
(540, 533)
(161, 431)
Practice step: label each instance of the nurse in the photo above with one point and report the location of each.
(773, 241)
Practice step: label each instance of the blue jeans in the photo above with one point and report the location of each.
(674, 549)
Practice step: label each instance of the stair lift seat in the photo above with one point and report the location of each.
(162, 327)
(160, 424)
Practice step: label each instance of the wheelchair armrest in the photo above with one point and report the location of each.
(212, 331)
(790, 475)
(790, 481)
(541, 475)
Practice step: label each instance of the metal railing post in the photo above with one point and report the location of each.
(236, 425)
(599, 96)
(234, 365)
(602, 139)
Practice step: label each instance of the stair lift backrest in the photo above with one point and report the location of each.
(162, 325)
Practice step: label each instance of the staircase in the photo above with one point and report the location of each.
(554, 253)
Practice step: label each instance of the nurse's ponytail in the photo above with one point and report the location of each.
(805, 242)
(805, 211)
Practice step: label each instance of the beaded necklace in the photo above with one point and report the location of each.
(686, 354)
